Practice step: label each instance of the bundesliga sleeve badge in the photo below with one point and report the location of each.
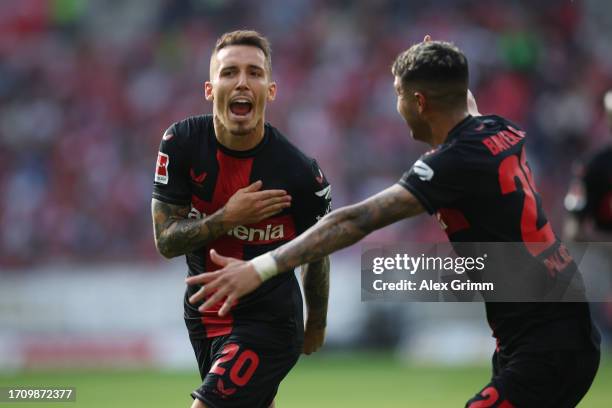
(161, 169)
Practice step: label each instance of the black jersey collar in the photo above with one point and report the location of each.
(246, 153)
(459, 127)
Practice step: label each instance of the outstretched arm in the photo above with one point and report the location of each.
(346, 226)
(338, 229)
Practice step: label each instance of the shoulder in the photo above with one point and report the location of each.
(486, 137)
(286, 152)
(443, 159)
(303, 171)
(487, 125)
(495, 123)
(492, 118)
(443, 154)
(189, 130)
(281, 145)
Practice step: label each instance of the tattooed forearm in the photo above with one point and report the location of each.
(347, 225)
(336, 230)
(315, 277)
(175, 234)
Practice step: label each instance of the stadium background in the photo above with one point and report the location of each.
(88, 87)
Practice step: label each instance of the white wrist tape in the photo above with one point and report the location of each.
(265, 265)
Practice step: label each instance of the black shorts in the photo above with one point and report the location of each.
(238, 372)
(556, 379)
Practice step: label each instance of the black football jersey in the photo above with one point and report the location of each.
(479, 185)
(590, 193)
(194, 169)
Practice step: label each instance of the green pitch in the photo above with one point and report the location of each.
(326, 380)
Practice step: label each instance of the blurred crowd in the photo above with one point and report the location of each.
(87, 87)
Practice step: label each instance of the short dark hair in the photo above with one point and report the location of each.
(246, 37)
(437, 68)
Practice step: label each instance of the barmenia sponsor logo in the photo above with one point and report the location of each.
(269, 232)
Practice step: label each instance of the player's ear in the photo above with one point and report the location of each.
(471, 104)
(208, 88)
(272, 91)
(421, 102)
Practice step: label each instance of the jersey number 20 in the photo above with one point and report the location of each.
(242, 369)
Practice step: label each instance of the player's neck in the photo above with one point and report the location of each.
(236, 141)
(443, 124)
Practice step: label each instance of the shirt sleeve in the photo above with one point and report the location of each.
(436, 179)
(315, 200)
(171, 181)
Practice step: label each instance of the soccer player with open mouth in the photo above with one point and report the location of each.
(477, 181)
(233, 183)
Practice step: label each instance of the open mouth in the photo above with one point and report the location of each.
(241, 107)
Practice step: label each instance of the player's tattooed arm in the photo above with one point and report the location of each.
(347, 225)
(175, 234)
(315, 278)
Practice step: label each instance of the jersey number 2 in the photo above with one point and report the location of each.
(510, 170)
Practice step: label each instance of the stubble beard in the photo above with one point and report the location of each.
(239, 131)
(243, 131)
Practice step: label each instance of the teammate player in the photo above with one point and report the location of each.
(589, 205)
(589, 199)
(231, 182)
(477, 181)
